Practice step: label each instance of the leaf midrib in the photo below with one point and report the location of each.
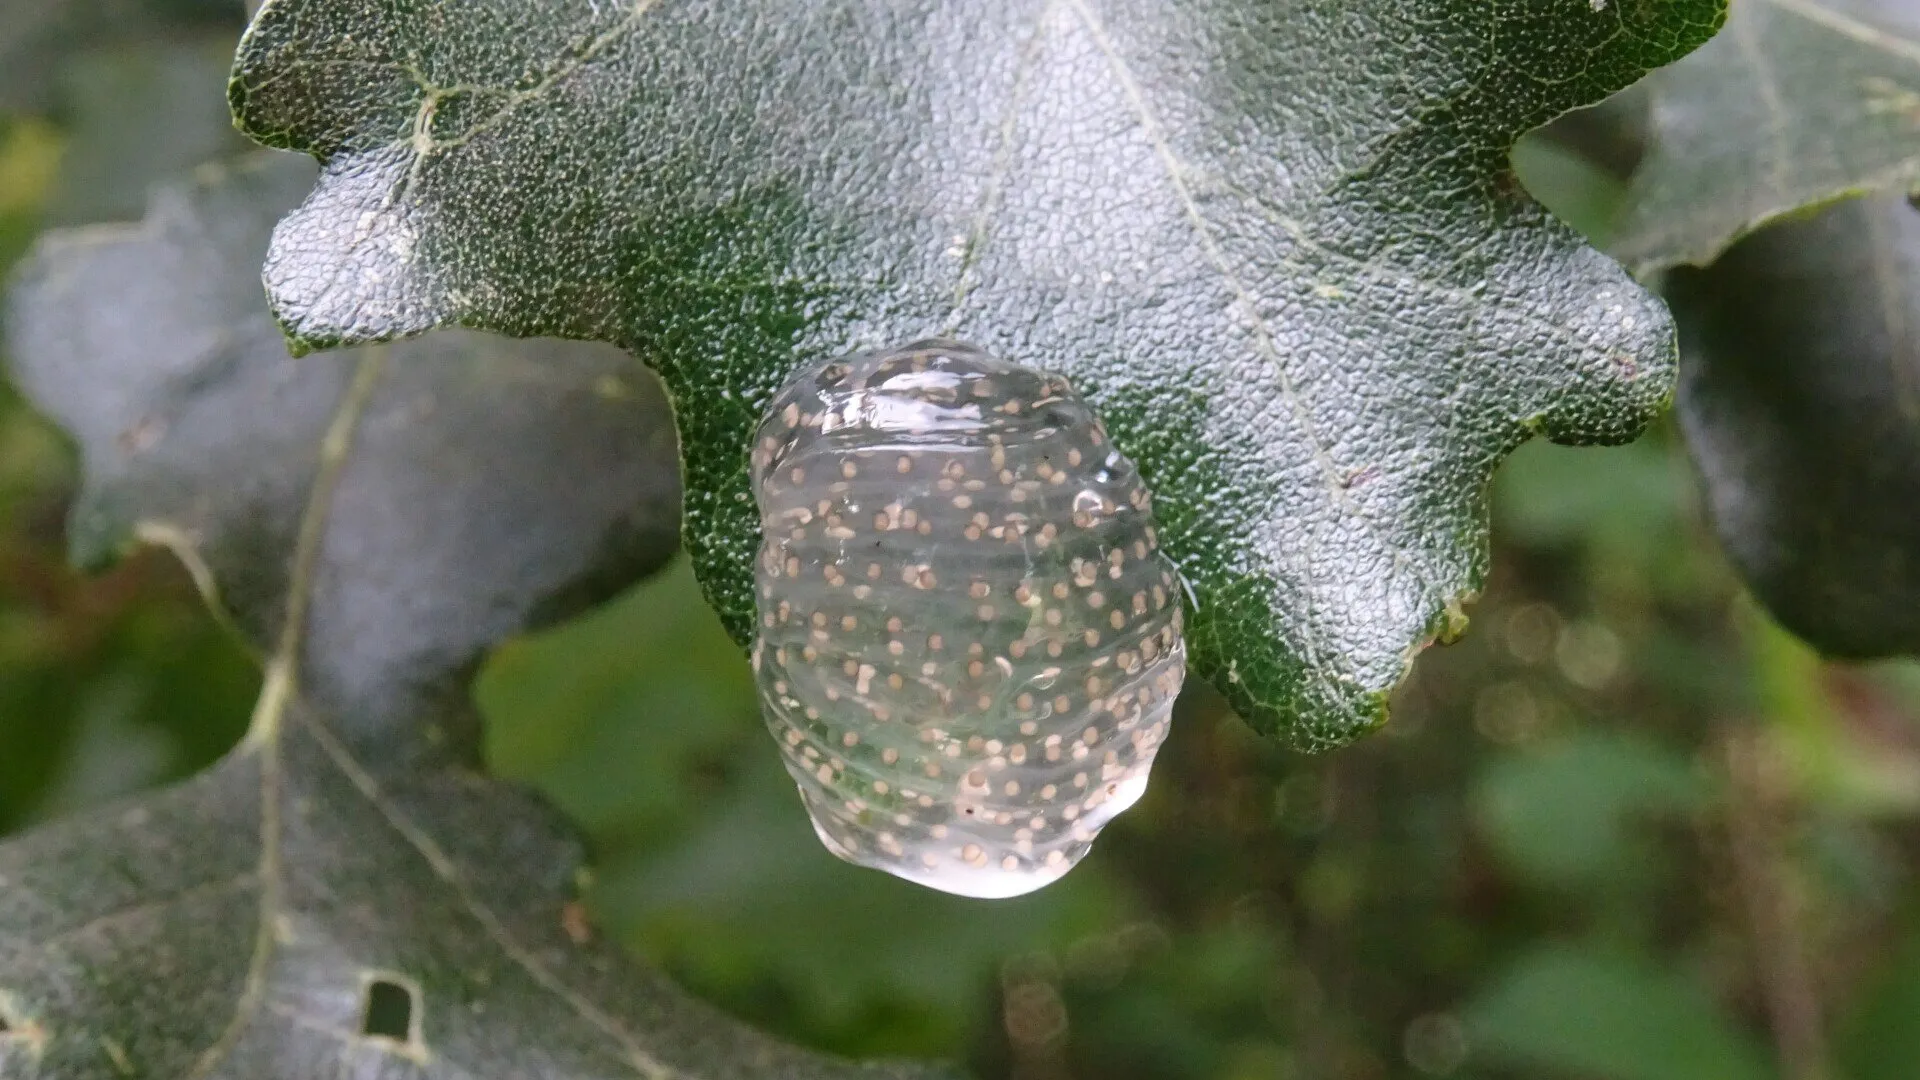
(264, 739)
(277, 693)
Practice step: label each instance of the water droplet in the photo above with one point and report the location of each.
(935, 716)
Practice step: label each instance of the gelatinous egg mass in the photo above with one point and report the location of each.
(969, 643)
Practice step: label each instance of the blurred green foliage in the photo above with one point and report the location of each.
(1626, 829)
(1532, 872)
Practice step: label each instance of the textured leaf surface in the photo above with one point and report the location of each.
(1800, 399)
(371, 521)
(1798, 102)
(1277, 245)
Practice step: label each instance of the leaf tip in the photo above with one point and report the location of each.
(1451, 623)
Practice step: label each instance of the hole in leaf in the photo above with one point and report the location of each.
(389, 1011)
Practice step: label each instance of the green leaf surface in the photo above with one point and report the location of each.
(1800, 399)
(1797, 103)
(371, 522)
(1278, 245)
(1590, 1014)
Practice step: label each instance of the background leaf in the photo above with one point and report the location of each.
(371, 522)
(38, 37)
(113, 682)
(1278, 246)
(133, 113)
(1566, 813)
(1797, 103)
(1800, 399)
(1590, 1014)
(1796, 394)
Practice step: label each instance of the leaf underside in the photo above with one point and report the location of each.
(1278, 245)
(371, 522)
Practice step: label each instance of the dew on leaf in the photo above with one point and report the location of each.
(969, 642)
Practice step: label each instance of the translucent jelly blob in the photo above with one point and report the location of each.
(969, 644)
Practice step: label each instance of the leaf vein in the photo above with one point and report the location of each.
(1210, 248)
(444, 867)
(977, 236)
(276, 694)
(134, 911)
